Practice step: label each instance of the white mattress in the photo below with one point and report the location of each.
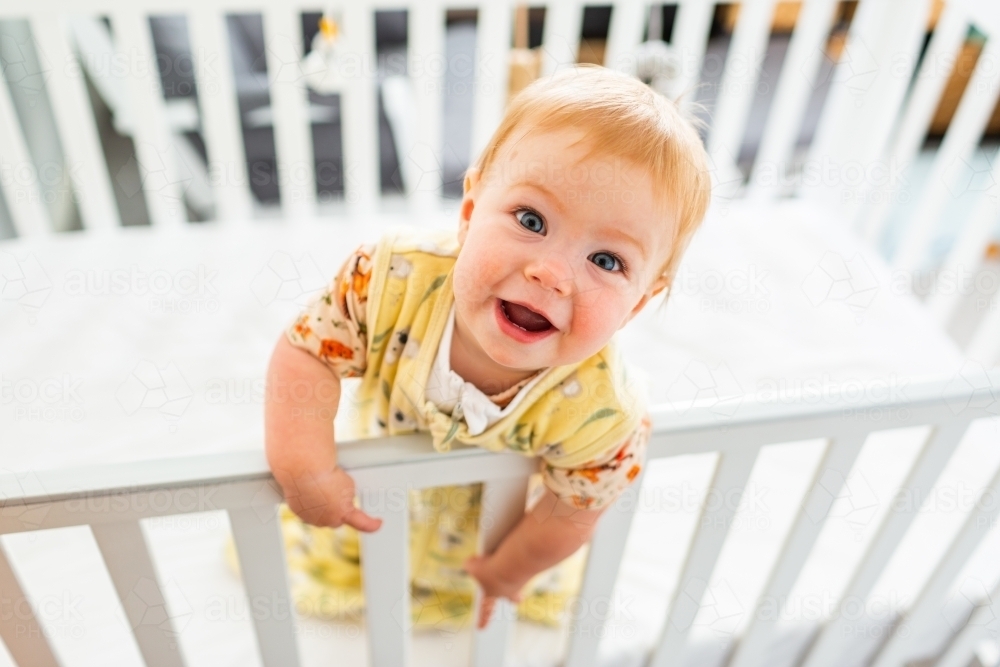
(768, 298)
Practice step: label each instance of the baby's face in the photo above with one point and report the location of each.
(559, 250)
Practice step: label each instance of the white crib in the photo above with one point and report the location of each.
(875, 117)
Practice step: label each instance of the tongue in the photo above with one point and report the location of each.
(525, 317)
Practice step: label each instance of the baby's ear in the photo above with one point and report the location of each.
(660, 284)
(469, 191)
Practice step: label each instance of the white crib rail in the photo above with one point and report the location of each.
(240, 483)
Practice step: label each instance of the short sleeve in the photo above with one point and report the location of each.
(333, 327)
(597, 483)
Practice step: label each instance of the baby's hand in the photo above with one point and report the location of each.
(493, 586)
(326, 498)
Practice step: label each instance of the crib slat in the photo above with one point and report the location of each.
(603, 562)
(260, 546)
(828, 648)
(966, 254)
(427, 49)
(561, 34)
(157, 161)
(829, 479)
(492, 72)
(628, 18)
(290, 110)
(19, 629)
(220, 117)
(959, 143)
(739, 80)
(387, 594)
(77, 128)
(945, 42)
(730, 478)
(130, 565)
(798, 73)
(963, 646)
(692, 24)
(869, 84)
(20, 188)
(502, 508)
(926, 611)
(359, 126)
(985, 344)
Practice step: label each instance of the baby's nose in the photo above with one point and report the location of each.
(552, 272)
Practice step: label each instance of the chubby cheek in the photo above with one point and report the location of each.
(596, 321)
(477, 270)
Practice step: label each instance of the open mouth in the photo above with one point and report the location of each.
(524, 318)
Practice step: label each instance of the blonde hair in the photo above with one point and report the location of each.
(625, 118)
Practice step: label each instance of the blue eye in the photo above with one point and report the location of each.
(606, 261)
(531, 221)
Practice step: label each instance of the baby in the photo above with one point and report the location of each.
(500, 335)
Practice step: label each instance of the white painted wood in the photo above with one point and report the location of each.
(359, 126)
(692, 24)
(428, 63)
(220, 118)
(828, 480)
(502, 507)
(829, 647)
(963, 646)
(795, 86)
(725, 492)
(385, 562)
(493, 27)
(261, 549)
(77, 129)
(927, 611)
(561, 34)
(966, 257)
(863, 102)
(19, 628)
(739, 79)
(20, 182)
(985, 344)
(934, 73)
(603, 562)
(126, 555)
(158, 167)
(290, 109)
(959, 143)
(628, 19)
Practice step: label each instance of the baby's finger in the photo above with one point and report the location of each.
(485, 611)
(363, 522)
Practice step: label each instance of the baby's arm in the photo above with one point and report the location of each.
(549, 533)
(302, 398)
(562, 520)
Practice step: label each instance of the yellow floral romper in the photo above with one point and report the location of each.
(382, 319)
